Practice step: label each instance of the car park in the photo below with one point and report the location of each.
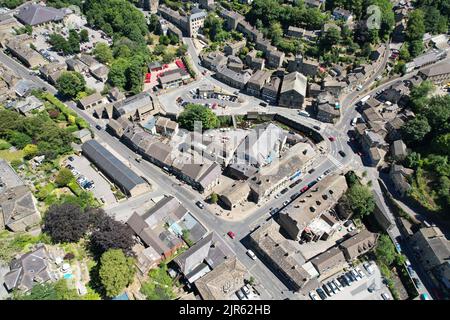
(321, 293)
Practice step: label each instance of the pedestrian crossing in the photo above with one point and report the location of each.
(335, 161)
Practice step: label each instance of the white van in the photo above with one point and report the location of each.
(354, 121)
(303, 113)
(251, 254)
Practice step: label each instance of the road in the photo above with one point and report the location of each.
(169, 185)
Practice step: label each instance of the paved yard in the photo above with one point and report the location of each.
(358, 290)
(102, 188)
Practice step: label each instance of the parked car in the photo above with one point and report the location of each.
(342, 153)
(332, 286)
(321, 294)
(385, 296)
(295, 195)
(70, 158)
(316, 127)
(251, 254)
(332, 138)
(200, 205)
(285, 203)
(240, 295)
(231, 234)
(246, 290)
(356, 274)
(284, 190)
(98, 127)
(263, 104)
(313, 296)
(328, 290)
(360, 272)
(351, 276)
(368, 266)
(311, 171)
(425, 296)
(337, 284)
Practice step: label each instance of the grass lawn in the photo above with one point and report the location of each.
(11, 155)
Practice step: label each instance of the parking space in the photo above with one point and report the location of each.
(101, 188)
(41, 36)
(247, 292)
(363, 285)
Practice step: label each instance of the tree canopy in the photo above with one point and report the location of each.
(70, 83)
(65, 223)
(116, 272)
(197, 112)
(110, 234)
(360, 200)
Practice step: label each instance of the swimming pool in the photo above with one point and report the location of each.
(68, 276)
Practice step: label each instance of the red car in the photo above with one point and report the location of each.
(304, 189)
(231, 234)
(332, 138)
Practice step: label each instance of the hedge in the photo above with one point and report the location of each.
(70, 115)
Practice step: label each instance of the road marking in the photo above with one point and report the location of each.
(335, 161)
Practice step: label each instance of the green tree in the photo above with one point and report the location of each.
(214, 197)
(64, 177)
(442, 144)
(116, 75)
(103, 53)
(415, 130)
(197, 112)
(360, 200)
(30, 151)
(70, 83)
(385, 250)
(73, 42)
(84, 36)
(116, 272)
(415, 28)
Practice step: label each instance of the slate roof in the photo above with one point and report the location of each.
(35, 14)
(111, 166)
(29, 269)
(294, 81)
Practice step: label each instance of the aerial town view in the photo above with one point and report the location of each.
(224, 150)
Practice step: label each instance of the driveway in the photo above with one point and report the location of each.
(102, 188)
